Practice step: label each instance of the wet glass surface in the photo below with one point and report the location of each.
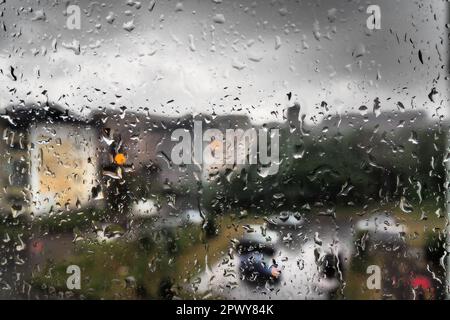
(224, 150)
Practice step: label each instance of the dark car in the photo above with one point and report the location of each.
(256, 257)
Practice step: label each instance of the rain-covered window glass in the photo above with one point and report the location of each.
(224, 149)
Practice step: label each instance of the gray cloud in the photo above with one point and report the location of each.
(267, 48)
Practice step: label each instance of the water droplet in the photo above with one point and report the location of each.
(129, 26)
(219, 18)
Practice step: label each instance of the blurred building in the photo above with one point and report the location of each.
(49, 161)
(145, 140)
(233, 146)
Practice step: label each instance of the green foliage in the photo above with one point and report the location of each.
(356, 166)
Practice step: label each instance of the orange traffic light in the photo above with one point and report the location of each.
(120, 159)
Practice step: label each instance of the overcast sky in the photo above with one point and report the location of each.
(190, 51)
